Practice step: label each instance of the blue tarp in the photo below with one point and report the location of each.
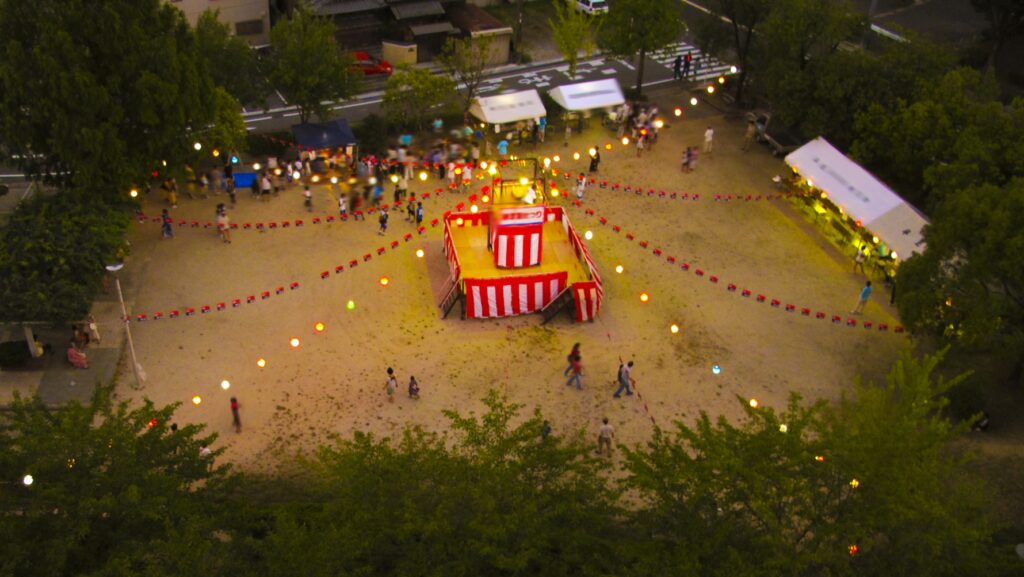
(333, 134)
(244, 179)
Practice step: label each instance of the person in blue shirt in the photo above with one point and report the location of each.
(865, 294)
(503, 147)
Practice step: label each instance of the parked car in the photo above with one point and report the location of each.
(592, 6)
(370, 65)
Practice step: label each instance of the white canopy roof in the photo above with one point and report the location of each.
(509, 107)
(862, 196)
(588, 95)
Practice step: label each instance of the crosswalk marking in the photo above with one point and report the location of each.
(707, 66)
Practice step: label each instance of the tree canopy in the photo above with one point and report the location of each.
(464, 59)
(745, 17)
(233, 65)
(574, 32)
(413, 95)
(637, 28)
(97, 93)
(307, 65)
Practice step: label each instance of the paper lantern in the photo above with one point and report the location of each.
(556, 158)
(197, 146)
(152, 423)
(678, 111)
(716, 369)
(225, 385)
(753, 403)
(261, 362)
(459, 221)
(619, 269)
(711, 89)
(133, 193)
(854, 483)
(419, 253)
(215, 153)
(473, 209)
(294, 342)
(256, 166)
(196, 400)
(783, 428)
(644, 297)
(350, 305)
(588, 235)
(693, 101)
(27, 480)
(319, 327)
(625, 140)
(674, 329)
(384, 281)
(721, 79)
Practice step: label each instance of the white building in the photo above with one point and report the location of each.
(248, 19)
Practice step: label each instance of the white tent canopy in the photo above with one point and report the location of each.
(861, 195)
(588, 95)
(509, 107)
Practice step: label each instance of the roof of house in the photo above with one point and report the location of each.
(409, 10)
(335, 7)
(474, 19)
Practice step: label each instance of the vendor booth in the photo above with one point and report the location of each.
(581, 98)
(509, 108)
(850, 201)
(325, 138)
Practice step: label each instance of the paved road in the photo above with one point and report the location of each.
(541, 76)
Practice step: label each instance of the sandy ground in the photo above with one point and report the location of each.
(334, 382)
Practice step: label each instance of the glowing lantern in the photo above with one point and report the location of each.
(854, 483)
(459, 221)
(556, 158)
(316, 178)
(423, 175)
(547, 162)
(523, 180)
(608, 146)
(674, 329)
(277, 172)
(225, 385)
(711, 89)
(372, 180)
(721, 79)
(554, 192)
(334, 180)
(256, 166)
(625, 140)
(133, 193)
(261, 362)
(458, 171)
(783, 428)
(296, 175)
(893, 255)
(716, 369)
(678, 111)
(492, 171)
(588, 235)
(294, 342)
(485, 198)
(319, 327)
(853, 549)
(592, 151)
(384, 281)
(659, 124)
(575, 156)
(216, 153)
(753, 403)
(27, 480)
(693, 101)
(163, 162)
(644, 297)
(197, 400)
(819, 458)
(197, 146)
(732, 69)
(473, 209)
(810, 183)
(419, 253)
(351, 305)
(483, 164)
(619, 269)
(152, 423)
(874, 239)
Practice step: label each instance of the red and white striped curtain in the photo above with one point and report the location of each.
(518, 246)
(503, 297)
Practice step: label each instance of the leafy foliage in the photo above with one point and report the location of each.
(745, 17)
(573, 31)
(636, 28)
(97, 93)
(55, 249)
(465, 60)
(757, 498)
(307, 65)
(232, 63)
(413, 95)
(115, 491)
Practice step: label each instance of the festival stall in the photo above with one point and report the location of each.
(580, 98)
(508, 108)
(850, 201)
(326, 136)
(492, 291)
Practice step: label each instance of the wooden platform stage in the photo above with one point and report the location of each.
(476, 261)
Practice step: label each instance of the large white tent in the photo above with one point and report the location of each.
(588, 95)
(865, 198)
(509, 107)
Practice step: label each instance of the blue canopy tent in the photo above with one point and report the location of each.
(333, 134)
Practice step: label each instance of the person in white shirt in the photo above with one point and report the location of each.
(604, 437)
(709, 136)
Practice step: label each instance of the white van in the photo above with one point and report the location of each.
(592, 6)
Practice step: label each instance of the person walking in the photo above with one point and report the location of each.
(410, 209)
(709, 140)
(677, 67)
(166, 225)
(391, 386)
(604, 438)
(748, 136)
(577, 374)
(687, 60)
(575, 352)
(865, 294)
(236, 420)
(414, 388)
(581, 187)
(307, 196)
(229, 186)
(419, 214)
(545, 430)
(342, 206)
(595, 159)
(223, 224)
(640, 144)
(858, 261)
(625, 379)
(383, 222)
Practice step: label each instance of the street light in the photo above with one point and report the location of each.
(140, 376)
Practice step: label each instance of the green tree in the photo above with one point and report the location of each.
(744, 17)
(494, 499)
(465, 60)
(636, 28)
(967, 289)
(96, 94)
(55, 248)
(114, 491)
(789, 492)
(232, 63)
(307, 65)
(413, 95)
(1005, 20)
(573, 31)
